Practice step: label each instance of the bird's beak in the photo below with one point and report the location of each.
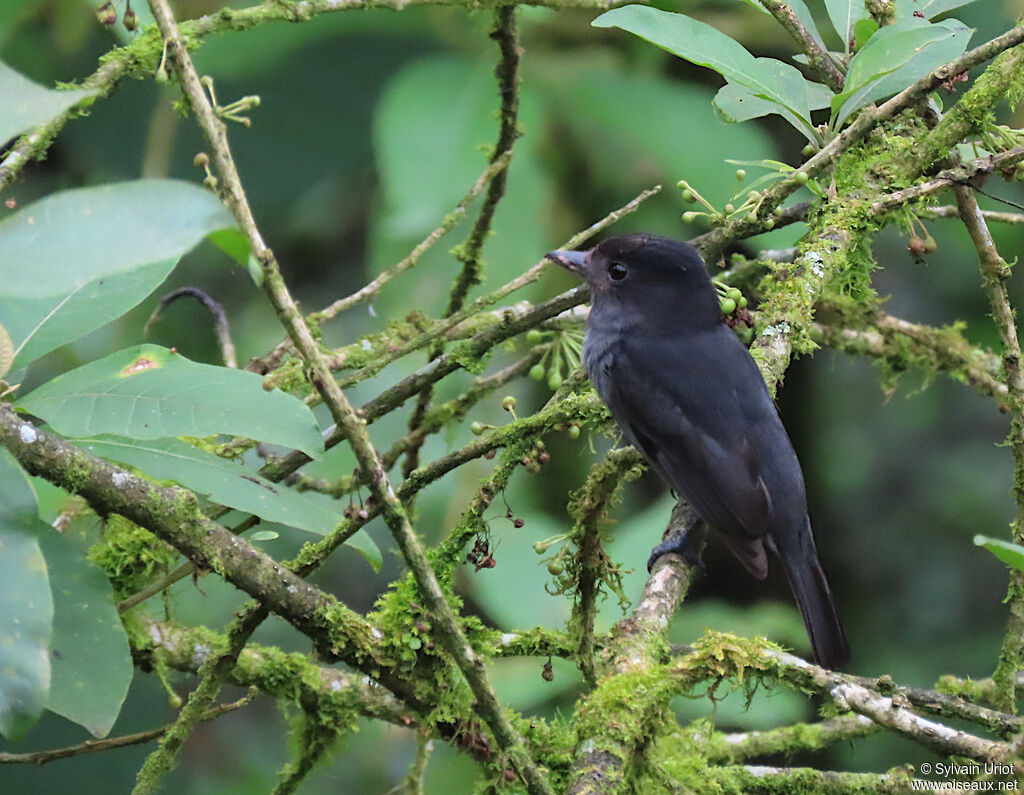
(570, 260)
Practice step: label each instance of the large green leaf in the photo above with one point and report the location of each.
(702, 44)
(227, 483)
(26, 608)
(67, 240)
(896, 56)
(26, 104)
(149, 392)
(91, 659)
(39, 325)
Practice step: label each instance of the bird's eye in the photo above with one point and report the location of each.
(617, 271)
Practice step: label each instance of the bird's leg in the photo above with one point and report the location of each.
(686, 536)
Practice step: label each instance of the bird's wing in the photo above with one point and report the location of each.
(691, 406)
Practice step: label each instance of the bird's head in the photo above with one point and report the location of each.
(662, 279)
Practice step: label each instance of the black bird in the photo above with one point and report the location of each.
(689, 397)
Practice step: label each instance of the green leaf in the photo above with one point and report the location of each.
(92, 663)
(227, 483)
(896, 56)
(863, 31)
(26, 607)
(27, 104)
(233, 243)
(703, 45)
(69, 239)
(40, 325)
(149, 392)
(845, 14)
(1009, 553)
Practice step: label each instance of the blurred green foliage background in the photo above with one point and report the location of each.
(372, 125)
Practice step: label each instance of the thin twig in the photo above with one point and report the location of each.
(106, 744)
(960, 175)
(990, 216)
(220, 318)
(372, 289)
(817, 56)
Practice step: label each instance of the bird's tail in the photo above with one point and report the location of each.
(814, 598)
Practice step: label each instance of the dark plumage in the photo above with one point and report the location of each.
(687, 395)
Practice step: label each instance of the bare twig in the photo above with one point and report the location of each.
(106, 744)
(220, 318)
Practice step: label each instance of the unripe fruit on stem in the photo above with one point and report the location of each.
(689, 217)
(728, 306)
(508, 403)
(740, 175)
(688, 196)
(533, 336)
(554, 381)
(801, 178)
(537, 372)
(574, 431)
(477, 428)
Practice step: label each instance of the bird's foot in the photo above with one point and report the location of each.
(680, 544)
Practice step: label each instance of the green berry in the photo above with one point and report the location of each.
(741, 302)
(753, 195)
(537, 372)
(689, 217)
(688, 196)
(508, 403)
(740, 175)
(729, 208)
(554, 381)
(801, 178)
(477, 428)
(555, 568)
(728, 306)
(733, 293)
(533, 336)
(682, 184)
(752, 217)
(574, 431)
